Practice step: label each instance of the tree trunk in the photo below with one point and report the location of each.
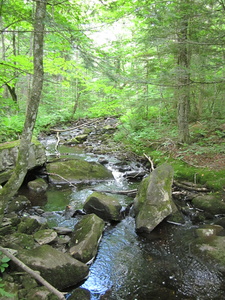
(20, 170)
(183, 90)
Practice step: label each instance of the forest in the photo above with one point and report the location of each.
(158, 66)
(155, 68)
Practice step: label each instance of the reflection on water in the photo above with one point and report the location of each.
(128, 267)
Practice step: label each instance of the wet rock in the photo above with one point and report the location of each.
(85, 238)
(153, 202)
(212, 204)
(59, 269)
(38, 185)
(80, 293)
(45, 236)
(106, 207)
(208, 230)
(210, 249)
(77, 171)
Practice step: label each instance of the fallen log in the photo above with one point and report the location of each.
(190, 186)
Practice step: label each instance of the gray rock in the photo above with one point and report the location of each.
(106, 207)
(153, 202)
(45, 236)
(59, 269)
(85, 238)
(8, 155)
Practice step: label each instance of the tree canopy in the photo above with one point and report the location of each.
(148, 62)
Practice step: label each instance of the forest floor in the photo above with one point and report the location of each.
(207, 150)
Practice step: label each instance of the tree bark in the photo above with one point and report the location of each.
(183, 90)
(20, 170)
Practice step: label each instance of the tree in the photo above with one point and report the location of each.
(21, 167)
(183, 73)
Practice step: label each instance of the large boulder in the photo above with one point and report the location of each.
(8, 156)
(106, 207)
(153, 202)
(76, 170)
(59, 269)
(85, 238)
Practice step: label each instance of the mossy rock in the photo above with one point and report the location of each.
(86, 237)
(153, 202)
(19, 241)
(45, 236)
(58, 268)
(18, 203)
(77, 170)
(212, 203)
(28, 225)
(211, 249)
(105, 206)
(38, 185)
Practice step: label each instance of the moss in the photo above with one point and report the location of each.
(78, 170)
(8, 145)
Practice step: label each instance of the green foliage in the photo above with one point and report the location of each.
(3, 266)
(3, 293)
(3, 262)
(11, 127)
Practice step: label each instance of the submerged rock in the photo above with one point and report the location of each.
(59, 269)
(76, 170)
(106, 207)
(85, 238)
(153, 202)
(209, 247)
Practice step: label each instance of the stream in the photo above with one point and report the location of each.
(129, 266)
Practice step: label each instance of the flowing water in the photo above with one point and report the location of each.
(131, 267)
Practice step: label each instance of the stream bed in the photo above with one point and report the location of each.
(129, 266)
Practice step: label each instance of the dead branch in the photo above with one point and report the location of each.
(57, 142)
(190, 186)
(34, 274)
(78, 126)
(64, 179)
(150, 160)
